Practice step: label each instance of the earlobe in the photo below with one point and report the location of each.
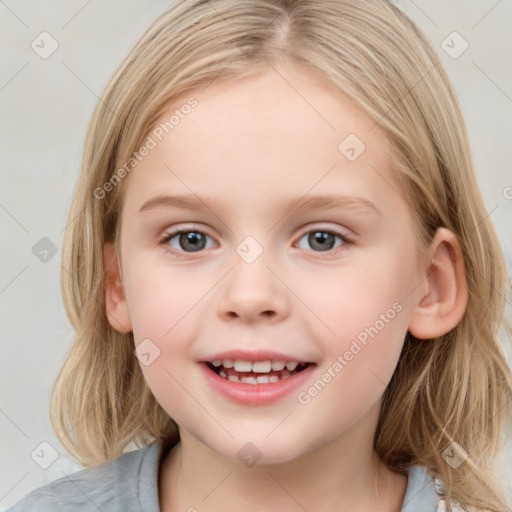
(115, 300)
(443, 298)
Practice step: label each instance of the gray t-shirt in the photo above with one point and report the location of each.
(129, 483)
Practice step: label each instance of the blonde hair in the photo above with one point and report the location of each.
(453, 389)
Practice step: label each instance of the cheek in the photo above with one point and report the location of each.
(159, 301)
(363, 318)
(347, 300)
(162, 312)
(369, 321)
(163, 309)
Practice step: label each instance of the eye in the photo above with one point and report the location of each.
(322, 240)
(185, 241)
(192, 240)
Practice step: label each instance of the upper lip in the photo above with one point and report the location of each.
(254, 355)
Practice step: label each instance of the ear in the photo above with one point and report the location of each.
(115, 300)
(443, 294)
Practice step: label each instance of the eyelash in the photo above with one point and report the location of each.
(167, 237)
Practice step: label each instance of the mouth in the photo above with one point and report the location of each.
(255, 372)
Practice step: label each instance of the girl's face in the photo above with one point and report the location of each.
(268, 269)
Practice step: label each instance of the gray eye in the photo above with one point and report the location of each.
(321, 240)
(189, 241)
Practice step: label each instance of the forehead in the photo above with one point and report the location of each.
(281, 132)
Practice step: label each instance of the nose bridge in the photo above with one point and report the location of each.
(251, 289)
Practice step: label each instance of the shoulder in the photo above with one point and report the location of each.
(115, 486)
(421, 494)
(426, 493)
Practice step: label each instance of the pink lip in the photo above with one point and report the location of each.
(255, 394)
(256, 355)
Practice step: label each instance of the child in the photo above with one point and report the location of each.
(329, 339)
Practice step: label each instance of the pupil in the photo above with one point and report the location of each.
(321, 240)
(193, 241)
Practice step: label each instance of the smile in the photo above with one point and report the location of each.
(256, 372)
(255, 383)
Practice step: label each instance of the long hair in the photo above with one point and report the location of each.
(447, 393)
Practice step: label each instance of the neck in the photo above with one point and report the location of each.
(342, 474)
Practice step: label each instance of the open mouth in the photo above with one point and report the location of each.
(257, 372)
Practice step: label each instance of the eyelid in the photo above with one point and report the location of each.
(172, 232)
(169, 235)
(347, 239)
(322, 226)
(196, 228)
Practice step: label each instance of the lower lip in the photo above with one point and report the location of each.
(255, 394)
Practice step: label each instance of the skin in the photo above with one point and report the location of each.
(250, 145)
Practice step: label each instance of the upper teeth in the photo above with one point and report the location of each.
(257, 366)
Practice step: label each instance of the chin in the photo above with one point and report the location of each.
(264, 451)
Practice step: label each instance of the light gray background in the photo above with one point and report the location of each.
(45, 108)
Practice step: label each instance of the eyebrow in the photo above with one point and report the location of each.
(298, 204)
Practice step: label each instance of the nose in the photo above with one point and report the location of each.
(253, 292)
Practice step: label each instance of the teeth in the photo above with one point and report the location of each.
(256, 367)
(234, 376)
(248, 380)
(242, 366)
(261, 366)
